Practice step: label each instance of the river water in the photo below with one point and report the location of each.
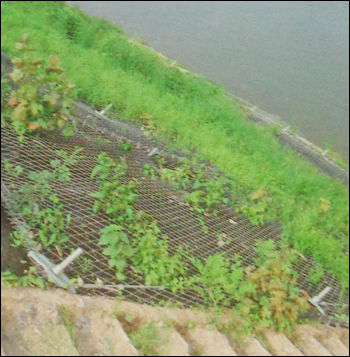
(289, 58)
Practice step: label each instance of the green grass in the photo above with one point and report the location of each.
(150, 340)
(189, 113)
(66, 317)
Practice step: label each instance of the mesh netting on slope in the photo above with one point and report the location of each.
(96, 134)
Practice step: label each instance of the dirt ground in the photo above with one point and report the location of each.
(10, 256)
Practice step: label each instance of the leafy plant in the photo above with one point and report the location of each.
(28, 279)
(255, 207)
(126, 146)
(5, 96)
(148, 170)
(61, 166)
(118, 248)
(272, 297)
(12, 170)
(147, 252)
(265, 293)
(218, 280)
(152, 257)
(204, 193)
(47, 221)
(43, 97)
(113, 197)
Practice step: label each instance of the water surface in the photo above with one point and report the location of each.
(288, 58)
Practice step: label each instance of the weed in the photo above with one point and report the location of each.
(197, 352)
(12, 170)
(42, 100)
(5, 96)
(48, 222)
(126, 146)
(149, 340)
(28, 279)
(148, 250)
(113, 197)
(270, 296)
(191, 325)
(118, 248)
(265, 292)
(148, 170)
(68, 322)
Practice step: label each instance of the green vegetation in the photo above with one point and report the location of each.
(5, 96)
(265, 292)
(261, 179)
(68, 322)
(196, 352)
(189, 112)
(42, 99)
(113, 197)
(205, 194)
(270, 295)
(150, 340)
(126, 146)
(28, 279)
(46, 222)
(133, 237)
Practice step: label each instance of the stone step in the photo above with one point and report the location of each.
(344, 336)
(94, 331)
(176, 345)
(309, 345)
(29, 329)
(333, 344)
(54, 322)
(329, 337)
(169, 341)
(249, 346)
(208, 343)
(98, 334)
(279, 345)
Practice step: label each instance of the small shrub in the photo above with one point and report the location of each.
(43, 98)
(272, 297)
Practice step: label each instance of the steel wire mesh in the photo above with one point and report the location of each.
(175, 219)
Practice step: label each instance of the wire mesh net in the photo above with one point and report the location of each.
(96, 134)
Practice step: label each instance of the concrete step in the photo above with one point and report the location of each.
(279, 345)
(344, 336)
(29, 329)
(329, 337)
(98, 334)
(311, 347)
(168, 340)
(248, 346)
(54, 322)
(176, 345)
(208, 343)
(308, 344)
(333, 344)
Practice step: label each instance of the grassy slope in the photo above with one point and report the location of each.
(189, 112)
